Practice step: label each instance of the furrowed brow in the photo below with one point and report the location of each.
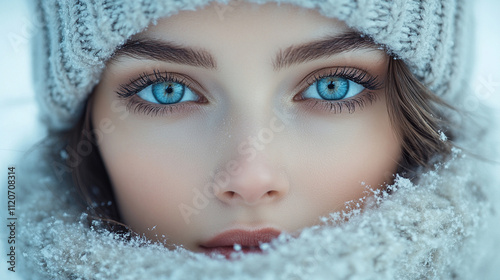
(167, 52)
(323, 48)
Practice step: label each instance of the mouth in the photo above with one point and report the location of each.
(237, 240)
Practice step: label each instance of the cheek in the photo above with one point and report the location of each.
(151, 169)
(149, 188)
(347, 154)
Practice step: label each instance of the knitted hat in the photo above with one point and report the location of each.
(78, 36)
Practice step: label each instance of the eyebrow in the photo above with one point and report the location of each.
(322, 48)
(166, 51)
(295, 54)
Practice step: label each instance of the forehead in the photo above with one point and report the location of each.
(242, 22)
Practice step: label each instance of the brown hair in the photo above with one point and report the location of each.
(415, 114)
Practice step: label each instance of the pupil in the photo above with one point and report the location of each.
(331, 85)
(169, 89)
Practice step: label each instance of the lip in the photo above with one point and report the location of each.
(249, 240)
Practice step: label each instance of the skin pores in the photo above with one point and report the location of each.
(248, 151)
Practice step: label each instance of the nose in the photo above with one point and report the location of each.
(255, 181)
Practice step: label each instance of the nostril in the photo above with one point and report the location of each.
(230, 194)
(272, 193)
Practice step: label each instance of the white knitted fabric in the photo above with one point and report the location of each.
(79, 36)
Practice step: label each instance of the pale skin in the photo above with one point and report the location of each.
(277, 159)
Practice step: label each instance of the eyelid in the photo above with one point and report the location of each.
(356, 75)
(369, 82)
(144, 80)
(350, 104)
(137, 105)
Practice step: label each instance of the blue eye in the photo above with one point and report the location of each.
(167, 93)
(333, 88)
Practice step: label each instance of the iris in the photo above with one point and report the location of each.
(332, 88)
(168, 92)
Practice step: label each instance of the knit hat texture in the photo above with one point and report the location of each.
(433, 37)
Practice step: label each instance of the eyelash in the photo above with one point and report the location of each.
(370, 83)
(128, 91)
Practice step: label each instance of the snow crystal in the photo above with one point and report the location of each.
(442, 136)
(64, 155)
(237, 247)
(264, 246)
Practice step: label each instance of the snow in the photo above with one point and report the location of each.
(21, 130)
(442, 136)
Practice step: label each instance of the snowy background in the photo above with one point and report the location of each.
(19, 128)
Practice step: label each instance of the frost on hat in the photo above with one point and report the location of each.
(78, 36)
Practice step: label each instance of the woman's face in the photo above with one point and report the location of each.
(245, 121)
